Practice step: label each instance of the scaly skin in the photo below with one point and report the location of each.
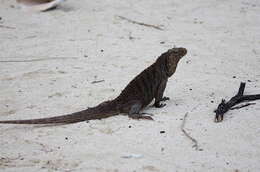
(148, 85)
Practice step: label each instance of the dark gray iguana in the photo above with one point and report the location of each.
(146, 86)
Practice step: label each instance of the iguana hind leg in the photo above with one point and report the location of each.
(134, 111)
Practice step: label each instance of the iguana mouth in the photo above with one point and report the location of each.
(178, 51)
(183, 51)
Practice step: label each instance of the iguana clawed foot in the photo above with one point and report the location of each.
(160, 105)
(140, 116)
(165, 98)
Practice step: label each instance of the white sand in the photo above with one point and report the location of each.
(222, 38)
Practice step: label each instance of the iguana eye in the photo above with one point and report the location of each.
(173, 51)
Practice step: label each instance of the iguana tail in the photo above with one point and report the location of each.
(103, 110)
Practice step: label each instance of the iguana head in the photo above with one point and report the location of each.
(172, 58)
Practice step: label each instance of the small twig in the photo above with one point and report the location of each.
(94, 82)
(140, 23)
(195, 145)
(39, 59)
(241, 89)
(238, 107)
(6, 27)
(224, 106)
(10, 159)
(195, 142)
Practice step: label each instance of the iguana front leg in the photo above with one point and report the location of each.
(159, 95)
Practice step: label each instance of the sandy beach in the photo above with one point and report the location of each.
(49, 61)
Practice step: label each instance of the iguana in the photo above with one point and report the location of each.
(148, 85)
